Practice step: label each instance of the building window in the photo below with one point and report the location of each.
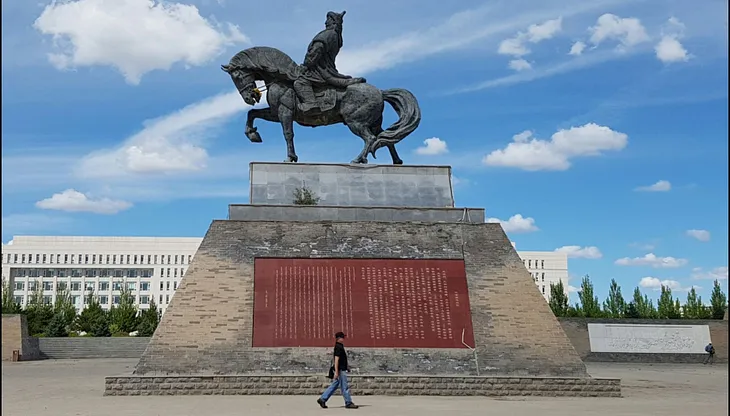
(131, 272)
(114, 259)
(15, 258)
(182, 272)
(44, 258)
(118, 273)
(167, 298)
(132, 286)
(129, 258)
(116, 285)
(103, 272)
(135, 259)
(103, 286)
(107, 258)
(155, 258)
(168, 272)
(22, 257)
(149, 258)
(160, 299)
(174, 286)
(89, 272)
(543, 289)
(19, 286)
(175, 272)
(175, 258)
(144, 286)
(190, 258)
(75, 300)
(146, 273)
(542, 264)
(144, 300)
(168, 286)
(89, 286)
(104, 300)
(115, 299)
(19, 300)
(76, 273)
(32, 286)
(47, 300)
(543, 277)
(37, 258)
(168, 258)
(75, 286)
(93, 259)
(61, 286)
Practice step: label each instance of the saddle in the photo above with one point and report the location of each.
(326, 98)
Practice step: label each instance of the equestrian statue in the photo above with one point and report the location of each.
(316, 94)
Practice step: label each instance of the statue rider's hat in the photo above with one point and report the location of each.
(337, 17)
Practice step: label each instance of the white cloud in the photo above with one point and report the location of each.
(578, 252)
(169, 144)
(528, 153)
(577, 48)
(656, 284)
(519, 65)
(652, 260)
(74, 201)
(670, 49)
(432, 146)
(628, 31)
(718, 273)
(516, 224)
(701, 235)
(535, 33)
(133, 36)
(573, 289)
(659, 186)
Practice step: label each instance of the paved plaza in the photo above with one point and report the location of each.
(74, 388)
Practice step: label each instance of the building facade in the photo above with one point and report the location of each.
(546, 268)
(151, 267)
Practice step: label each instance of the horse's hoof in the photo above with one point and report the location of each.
(398, 162)
(360, 161)
(254, 136)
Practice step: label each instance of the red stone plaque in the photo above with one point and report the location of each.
(378, 303)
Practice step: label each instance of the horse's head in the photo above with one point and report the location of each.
(245, 82)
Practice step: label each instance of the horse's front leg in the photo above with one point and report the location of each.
(286, 111)
(253, 114)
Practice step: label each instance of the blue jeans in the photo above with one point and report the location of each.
(341, 382)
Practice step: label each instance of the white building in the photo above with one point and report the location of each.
(546, 268)
(152, 267)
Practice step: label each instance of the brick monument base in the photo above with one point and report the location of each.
(430, 307)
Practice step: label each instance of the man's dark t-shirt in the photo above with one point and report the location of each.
(340, 352)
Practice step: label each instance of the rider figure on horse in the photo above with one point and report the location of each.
(319, 64)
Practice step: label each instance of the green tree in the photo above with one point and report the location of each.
(693, 305)
(9, 304)
(148, 321)
(39, 313)
(558, 299)
(631, 311)
(65, 307)
(615, 305)
(57, 326)
(123, 318)
(666, 305)
(93, 319)
(305, 196)
(589, 304)
(718, 301)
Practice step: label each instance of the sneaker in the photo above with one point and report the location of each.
(351, 406)
(321, 403)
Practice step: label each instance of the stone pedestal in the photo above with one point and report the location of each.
(426, 294)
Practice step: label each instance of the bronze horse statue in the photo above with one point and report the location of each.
(351, 101)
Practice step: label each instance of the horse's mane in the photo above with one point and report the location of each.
(267, 60)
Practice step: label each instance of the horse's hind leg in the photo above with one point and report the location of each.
(367, 136)
(391, 147)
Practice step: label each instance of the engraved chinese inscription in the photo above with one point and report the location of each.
(376, 302)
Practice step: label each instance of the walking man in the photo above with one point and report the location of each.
(709, 349)
(338, 374)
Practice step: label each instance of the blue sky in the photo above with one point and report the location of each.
(596, 127)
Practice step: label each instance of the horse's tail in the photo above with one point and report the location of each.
(409, 117)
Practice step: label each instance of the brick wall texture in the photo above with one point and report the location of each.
(577, 331)
(15, 337)
(207, 328)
